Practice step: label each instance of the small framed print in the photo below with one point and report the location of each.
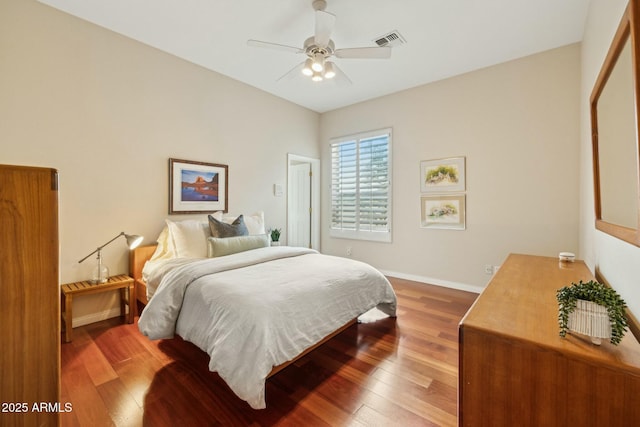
(197, 187)
(442, 175)
(443, 211)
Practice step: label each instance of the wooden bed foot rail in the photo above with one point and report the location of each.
(278, 368)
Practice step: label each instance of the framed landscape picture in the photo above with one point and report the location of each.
(443, 211)
(197, 187)
(442, 175)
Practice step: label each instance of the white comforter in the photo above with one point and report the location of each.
(255, 310)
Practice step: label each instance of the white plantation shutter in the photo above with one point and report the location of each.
(361, 186)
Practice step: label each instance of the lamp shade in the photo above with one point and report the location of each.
(329, 71)
(306, 70)
(133, 240)
(318, 62)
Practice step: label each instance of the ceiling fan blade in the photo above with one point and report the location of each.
(282, 47)
(341, 78)
(291, 74)
(324, 26)
(364, 53)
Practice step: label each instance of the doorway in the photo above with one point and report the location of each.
(303, 202)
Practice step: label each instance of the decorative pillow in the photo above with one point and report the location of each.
(218, 246)
(189, 237)
(254, 222)
(222, 229)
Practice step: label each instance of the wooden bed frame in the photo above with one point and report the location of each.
(140, 255)
(137, 258)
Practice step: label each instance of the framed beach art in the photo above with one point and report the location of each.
(197, 187)
(443, 211)
(442, 175)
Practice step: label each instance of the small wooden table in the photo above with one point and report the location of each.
(69, 290)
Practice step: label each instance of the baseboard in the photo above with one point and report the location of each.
(433, 281)
(96, 317)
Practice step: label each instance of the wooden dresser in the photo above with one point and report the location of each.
(29, 285)
(515, 370)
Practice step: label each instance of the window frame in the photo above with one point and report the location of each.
(357, 233)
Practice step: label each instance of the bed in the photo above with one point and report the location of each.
(253, 310)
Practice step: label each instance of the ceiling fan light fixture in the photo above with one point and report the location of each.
(329, 71)
(307, 69)
(319, 49)
(318, 62)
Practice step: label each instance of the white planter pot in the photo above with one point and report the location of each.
(590, 319)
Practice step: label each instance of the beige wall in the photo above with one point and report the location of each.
(518, 126)
(108, 113)
(616, 260)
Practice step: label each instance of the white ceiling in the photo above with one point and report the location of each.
(444, 38)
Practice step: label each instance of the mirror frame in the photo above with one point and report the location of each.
(629, 29)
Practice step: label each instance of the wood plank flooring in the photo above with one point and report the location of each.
(386, 372)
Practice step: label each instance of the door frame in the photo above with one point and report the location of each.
(293, 159)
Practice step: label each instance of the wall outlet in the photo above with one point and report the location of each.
(488, 269)
(349, 251)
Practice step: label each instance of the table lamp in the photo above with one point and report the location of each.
(100, 273)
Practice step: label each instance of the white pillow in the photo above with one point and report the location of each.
(221, 246)
(165, 248)
(189, 237)
(254, 222)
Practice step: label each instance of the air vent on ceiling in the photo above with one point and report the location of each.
(392, 39)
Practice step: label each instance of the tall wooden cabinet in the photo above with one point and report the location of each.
(30, 297)
(515, 370)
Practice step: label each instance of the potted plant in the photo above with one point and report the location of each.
(593, 309)
(274, 233)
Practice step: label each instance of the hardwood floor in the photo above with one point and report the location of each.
(385, 372)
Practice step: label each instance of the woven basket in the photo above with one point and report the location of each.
(590, 319)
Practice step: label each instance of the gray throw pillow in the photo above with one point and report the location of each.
(222, 229)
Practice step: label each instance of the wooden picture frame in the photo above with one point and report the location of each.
(443, 175)
(197, 187)
(443, 211)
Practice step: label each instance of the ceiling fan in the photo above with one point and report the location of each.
(319, 48)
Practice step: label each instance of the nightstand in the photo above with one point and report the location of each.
(122, 282)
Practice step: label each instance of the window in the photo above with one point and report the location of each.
(361, 186)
